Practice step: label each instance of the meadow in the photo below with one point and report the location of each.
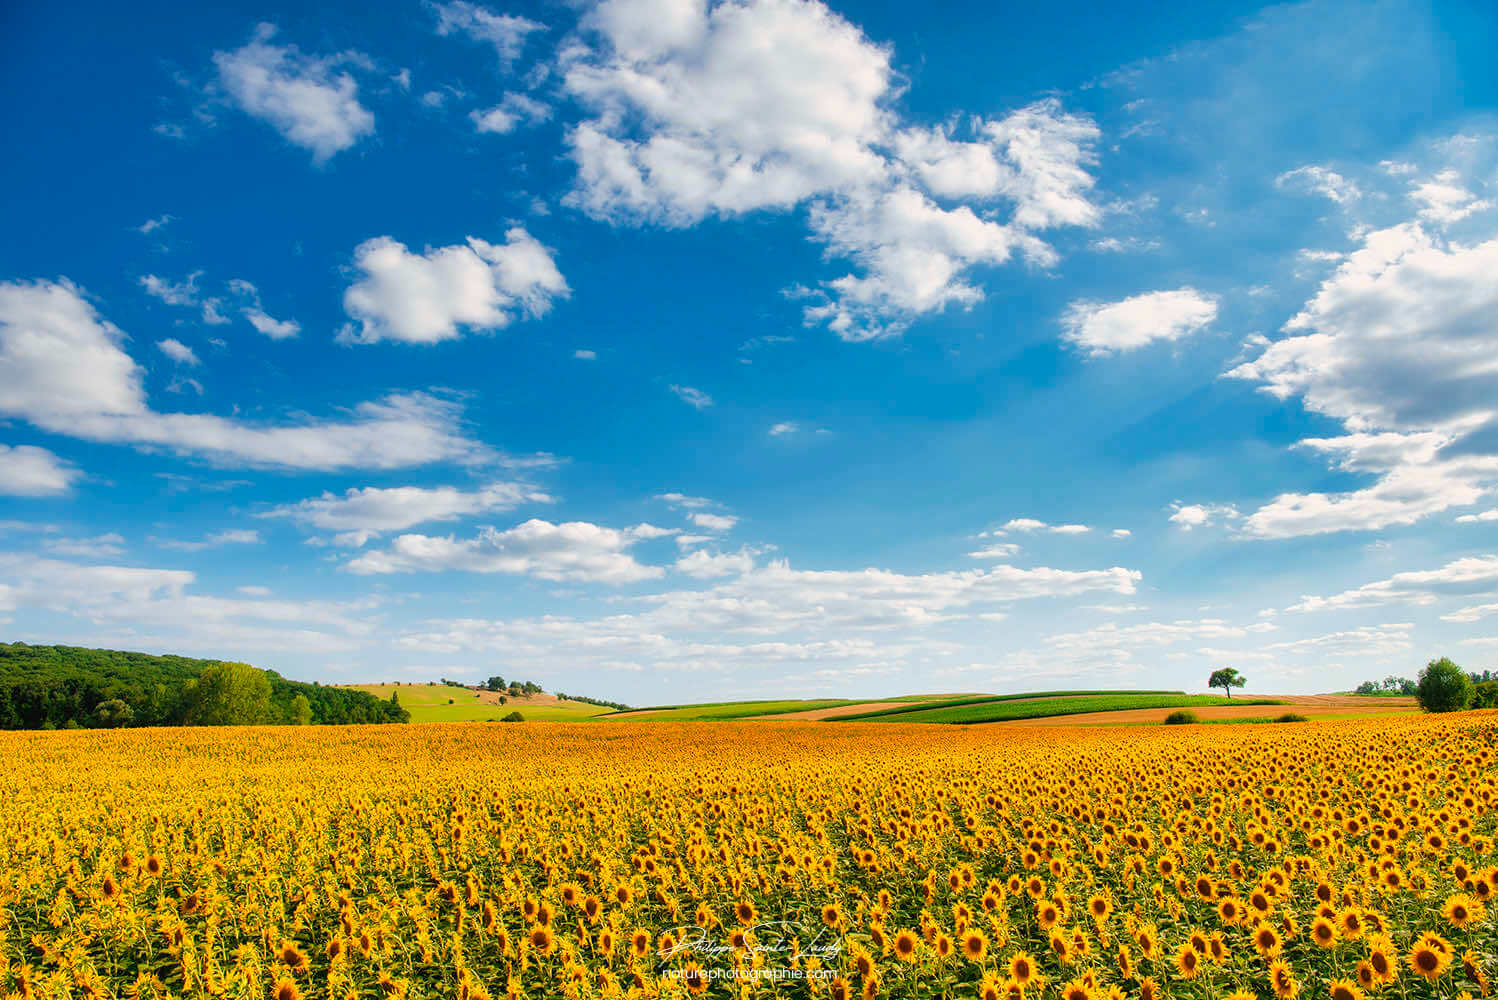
(1340, 860)
(445, 703)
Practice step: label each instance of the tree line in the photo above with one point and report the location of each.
(68, 687)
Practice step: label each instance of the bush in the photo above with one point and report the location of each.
(1485, 694)
(1181, 717)
(1291, 717)
(1443, 687)
(513, 717)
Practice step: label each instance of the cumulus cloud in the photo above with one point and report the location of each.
(706, 565)
(365, 513)
(263, 322)
(425, 298)
(510, 113)
(575, 550)
(29, 471)
(1198, 515)
(713, 522)
(1459, 578)
(1029, 525)
(62, 368)
(177, 351)
(783, 428)
(1110, 327)
(141, 606)
(505, 32)
(1320, 180)
(720, 109)
(1397, 344)
(305, 98)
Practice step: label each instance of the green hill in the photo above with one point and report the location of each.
(45, 687)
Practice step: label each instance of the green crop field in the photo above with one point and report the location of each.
(1045, 707)
(722, 710)
(429, 703)
(953, 701)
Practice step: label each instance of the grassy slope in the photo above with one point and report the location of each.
(428, 703)
(1037, 708)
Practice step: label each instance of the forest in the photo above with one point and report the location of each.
(68, 687)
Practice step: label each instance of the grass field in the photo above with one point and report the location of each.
(724, 710)
(1036, 708)
(1344, 861)
(429, 703)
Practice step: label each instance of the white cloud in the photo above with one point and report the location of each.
(177, 351)
(305, 98)
(218, 539)
(1487, 515)
(783, 428)
(583, 355)
(262, 321)
(506, 32)
(425, 298)
(1196, 515)
(1320, 180)
(142, 607)
(1397, 344)
(687, 502)
(1472, 613)
(704, 565)
(575, 550)
(510, 113)
(1030, 524)
(1460, 577)
(151, 225)
(183, 293)
(1132, 323)
(695, 398)
(713, 522)
(361, 514)
(1130, 244)
(1444, 200)
(999, 550)
(1121, 532)
(722, 109)
(99, 547)
(62, 369)
(29, 471)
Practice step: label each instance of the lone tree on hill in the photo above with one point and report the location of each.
(1227, 678)
(1443, 687)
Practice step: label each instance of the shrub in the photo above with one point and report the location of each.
(1291, 717)
(513, 717)
(1443, 687)
(1485, 694)
(1181, 717)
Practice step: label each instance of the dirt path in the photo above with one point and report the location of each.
(1311, 706)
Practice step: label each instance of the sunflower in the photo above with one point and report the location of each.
(832, 916)
(1324, 932)
(989, 987)
(1125, 962)
(1430, 956)
(943, 946)
(840, 990)
(1365, 976)
(1188, 961)
(1230, 910)
(1462, 911)
(1383, 959)
(1267, 941)
(695, 978)
(1282, 981)
(285, 989)
(541, 940)
(744, 911)
(1350, 923)
(1472, 966)
(1076, 990)
(1099, 907)
(974, 946)
(1022, 968)
(1343, 989)
(905, 946)
(1148, 989)
(1046, 915)
(293, 957)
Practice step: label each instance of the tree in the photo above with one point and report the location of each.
(1443, 687)
(1227, 678)
(301, 710)
(228, 694)
(495, 683)
(113, 713)
(513, 717)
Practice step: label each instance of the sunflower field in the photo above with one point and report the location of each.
(1345, 861)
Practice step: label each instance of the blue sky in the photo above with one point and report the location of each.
(668, 350)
